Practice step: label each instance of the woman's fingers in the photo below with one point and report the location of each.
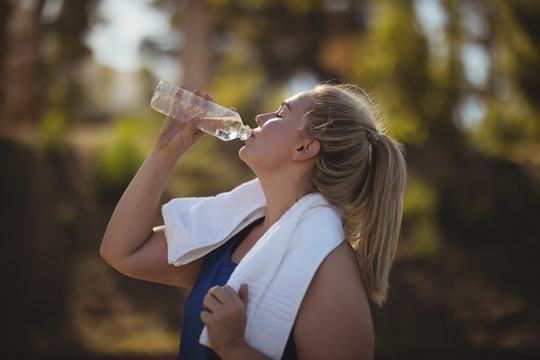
(210, 303)
(225, 317)
(224, 294)
(207, 97)
(221, 295)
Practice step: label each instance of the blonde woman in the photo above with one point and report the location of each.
(282, 266)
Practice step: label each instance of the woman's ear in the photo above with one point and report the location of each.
(308, 149)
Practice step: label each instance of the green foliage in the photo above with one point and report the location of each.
(511, 127)
(117, 163)
(243, 87)
(422, 240)
(390, 60)
(53, 130)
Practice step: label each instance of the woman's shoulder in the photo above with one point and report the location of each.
(334, 317)
(340, 271)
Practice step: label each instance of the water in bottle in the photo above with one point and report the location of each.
(182, 104)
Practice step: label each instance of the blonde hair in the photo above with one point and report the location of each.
(362, 172)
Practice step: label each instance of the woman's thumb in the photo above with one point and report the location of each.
(243, 293)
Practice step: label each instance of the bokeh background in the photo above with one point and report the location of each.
(459, 82)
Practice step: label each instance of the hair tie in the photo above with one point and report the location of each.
(373, 137)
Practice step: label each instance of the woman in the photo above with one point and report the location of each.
(301, 248)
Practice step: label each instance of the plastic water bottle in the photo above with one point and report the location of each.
(182, 105)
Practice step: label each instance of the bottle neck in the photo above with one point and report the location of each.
(244, 133)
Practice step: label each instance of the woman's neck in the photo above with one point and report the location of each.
(281, 193)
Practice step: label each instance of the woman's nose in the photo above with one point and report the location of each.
(259, 119)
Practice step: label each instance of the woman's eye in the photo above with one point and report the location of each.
(278, 115)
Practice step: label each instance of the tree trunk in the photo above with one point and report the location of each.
(20, 65)
(195, 55)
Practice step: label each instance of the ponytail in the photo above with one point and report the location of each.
(372, 223)
(362, 172)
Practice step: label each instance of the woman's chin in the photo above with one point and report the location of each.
(242, 153)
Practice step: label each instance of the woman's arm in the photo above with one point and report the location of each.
(334, 320)
(131, 244)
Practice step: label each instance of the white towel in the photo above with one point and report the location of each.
(278, 269)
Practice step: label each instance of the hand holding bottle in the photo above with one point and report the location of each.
(176, 136)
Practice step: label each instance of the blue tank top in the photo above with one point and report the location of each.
(216, 270)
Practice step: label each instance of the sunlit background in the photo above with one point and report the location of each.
(458, 80)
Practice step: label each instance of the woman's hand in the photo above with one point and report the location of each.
(177, 136)
(226, 318)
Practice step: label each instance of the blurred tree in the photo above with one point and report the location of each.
(20, 33)
(196, 55)
(41, 201)
(523, 16)
(511, 128)
(63, 36)
(41, 49)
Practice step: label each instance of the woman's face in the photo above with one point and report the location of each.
(279, 134)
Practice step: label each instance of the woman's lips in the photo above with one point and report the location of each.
(251, 135)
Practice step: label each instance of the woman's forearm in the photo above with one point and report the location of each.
(132, 221)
